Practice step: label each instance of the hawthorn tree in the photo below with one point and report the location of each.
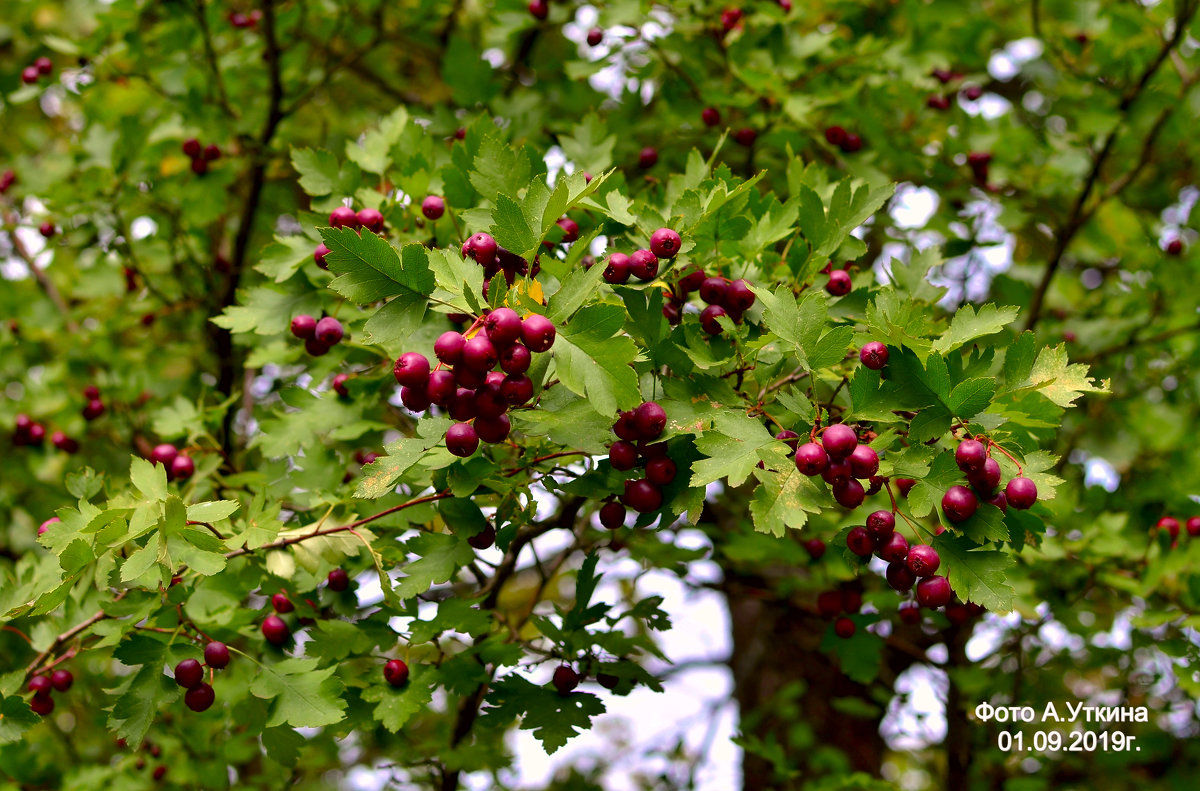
(338, 336)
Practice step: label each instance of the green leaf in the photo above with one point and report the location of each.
(590, 144)
(142, 698)
(372, 153)
(149, 479)
(511, 228)
(397, 706)
(859, 655)
(1035, 468)
(369, 269)
(441, 558)
(1061, 381)
(283, 745)
(379, 477)
(575, 290)
(283, 258)
(554, 719)
(305, 696)
(1018, 359)
(971, 397)
(797, 324)
(732, 446)
(318, 170)
(976, 575)
(140, 561)
(213, 511)
(968, 325)
(785, 500)
(595, 364)
(831, 348)
(259, 310)
(15, 718)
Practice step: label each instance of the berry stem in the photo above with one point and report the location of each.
(991, 444)
(916, 528)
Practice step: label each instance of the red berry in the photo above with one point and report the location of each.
(47, 230)
(713, 290)
(216, 655)
(708, 319)
(319, 256)
(626, 428)
(516, 389)
(64, 443)
(829, 603)
(415, 399)
(461, 439)
(212, 152)
(959, 503)
(730, 18)
(479, 354)
(642, 496)
(622, 455)
(864, 461)
(449, 347)
(191, 147)
(839, 284)
(371, 219)
(612, 515)
(182, 468)
(1000, 501)
(199, 166)
(852, 143)
(650, 419)
(643, 265)
(343, 217)
(881, 524)
(484, 539)
(894, 549)
(569, 227)
(189, 673)
(329, 331)
(503, 327)
(1193, 526)
(39, 685)
(970, 455)
(164, 454)
(660, 471)
(304, 326)
(972, 93)
(815, 548)
(1021, 493)
(62, 680)
(910, 613)
(987, 478)
(595, 36)
(1175, 246)
(538, 333)
(339, 385)
(900, 576)
(839, 441)
(665, 243)
(923, 560)
(905, 485)
(745, 136)
(811, 459)
(396, 672)
(835, 135)
(565, 680)
(482, 247)
(738, 296)
(710, 116)
(433, 207)
(648, 158)
(933, 592)
(844, 628)
(617, 269)
(29, 75)
(859, 542)
(282, 603)
(338, 580)
(874, 355)
(42, 704)
(198, 698)
(540, 9)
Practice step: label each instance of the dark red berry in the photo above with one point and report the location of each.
(482, 247)
(829, 603)
(570, 229)
(1021, 493)
(708, 319)
(197, 698)
(986, 480)
(837, 471)
(738, 296)
(484, 539)
(516, 389)
(1175, 246)
(881, 524)
(329, 331)
(859, 542)
(503, 327)
(647, 158)
(216, 654)
(660, 471)
(910, 613)
(622, 455)
(1193, 526)
(493, 429)
(415, 398)
(959, 503)
(710, 116)
(839, 284)
(282, 603)
(874, 355)
(835, 135)
(905, 485)
(338, 580)
(815, 548)
(713, 290)
(164, 454)
(395, 671)
(42, 704)
(933, 592)
(852, 143)
(811, 459)
(970, 455)
(537, 333)
(650, 420)
(479, 354)
(617, 269)
(192, 147)
(745, 136)
(864, 461)
(900, 577)
(371, 219)
(339, 385)
(304, 326)
(894, 549)
(612, 515)
(539, 9)
(665, 243)
(565, 680)
(433, 207)
(626, 428)
(182, 468)
(189, 673)
(839, 441)
(448, 348)
(642, 496)
(343, 217)
(39, 685)
(212, 152)
(1000, 501)
(595, 36)
(923, 560)
(643, 265)
(461, 439)
(844, 628)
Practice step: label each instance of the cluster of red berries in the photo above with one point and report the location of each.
(240, 20)
(189, 674)
(842, 462)
(275, 630)
(319, 336)
(642, 264)
(983, 473)
(94, 407)
(908, 566)
(1171, 525)
(839, 283)
(469, 389)
(848, 142)
(42, 686)
(27, 431)
(483, 250)
(179, 466)
(636, 431)
(833, 603)
(200, 155)
(345, 217)
(36, 70)
(722, 296)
